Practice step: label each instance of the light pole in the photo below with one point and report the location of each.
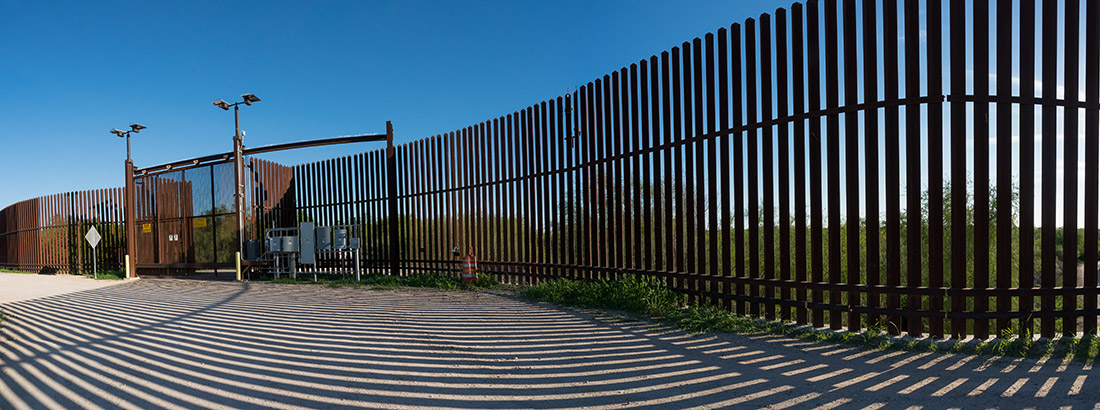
(134, 128)
(131, 232)
(238, 163)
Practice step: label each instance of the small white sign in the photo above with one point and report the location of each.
(93, 237)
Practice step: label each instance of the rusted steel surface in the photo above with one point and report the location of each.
(761, 169)
(46, 234)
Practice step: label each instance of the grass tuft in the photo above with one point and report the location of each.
(650, 298)
(108, 275)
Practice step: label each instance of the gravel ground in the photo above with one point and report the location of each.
(24, 286)
(192, 344)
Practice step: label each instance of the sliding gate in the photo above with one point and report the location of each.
(186, 213)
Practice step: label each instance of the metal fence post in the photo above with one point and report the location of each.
(391, 197)
(131, 232)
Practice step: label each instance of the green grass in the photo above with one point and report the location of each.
(108, 275)
(429, 280)
(15, 271)
(652, 299)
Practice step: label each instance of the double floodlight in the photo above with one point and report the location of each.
(134, 128)
(248, 98)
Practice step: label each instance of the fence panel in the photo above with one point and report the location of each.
(706, 167)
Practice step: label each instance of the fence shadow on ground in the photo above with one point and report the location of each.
(192, 344)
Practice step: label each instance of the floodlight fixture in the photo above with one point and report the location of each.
(134, 129)
(238, 147)
(249, 98)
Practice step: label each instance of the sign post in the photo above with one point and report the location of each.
(93, 239)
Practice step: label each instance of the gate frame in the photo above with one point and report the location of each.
(237, 158)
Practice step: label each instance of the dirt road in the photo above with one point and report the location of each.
(218, 345)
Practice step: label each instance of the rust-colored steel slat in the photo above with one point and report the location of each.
(605, 233)
(677, 209)
(1092, 157)
(1027, 161)
(798, 105)
(957, 46)
(871, 138)
(737, 173)
(891, 140)
(650, 230)
(372, 234)
(782, 98)
(851, 167)
(671, 258)
(1070, 129)
(934, 84)
(813, 78)
(485, 189)
(530, 207)
(556, 140)
(752, 139)
(767, 154)
(981, 161)
(499, 188)
(700, 167)
(832, 149)
(530, 197)
(551, 195)
(637, 253)
(568, 207)
(1049, 131)
(594, 132)
(487, 198)
(912, 160)
(414, 196)
(546, 192)
(620, 168)
(689, 187)
(523, 249)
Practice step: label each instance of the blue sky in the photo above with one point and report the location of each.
(74, 70)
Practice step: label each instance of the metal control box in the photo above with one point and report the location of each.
(274, 244)
(340, 238)
(324, 237)
(290, 244)
(306, 233)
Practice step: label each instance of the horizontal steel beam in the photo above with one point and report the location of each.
(228, 156)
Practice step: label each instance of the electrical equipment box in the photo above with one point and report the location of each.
(323, 250)
(340, 238)
(290, 244)
(252, 249)
(274, 244)
(324, 237)
(309, 243)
